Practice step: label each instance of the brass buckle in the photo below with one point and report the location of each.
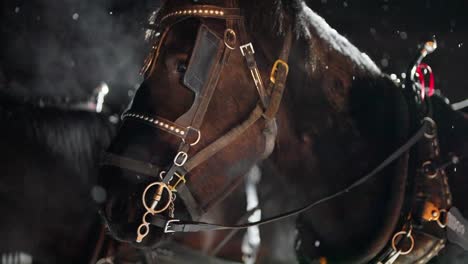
(168, 226)
(274, 69)
(181, 178)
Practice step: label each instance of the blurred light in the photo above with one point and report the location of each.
(103, 91)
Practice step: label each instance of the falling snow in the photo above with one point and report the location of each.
(403, 35)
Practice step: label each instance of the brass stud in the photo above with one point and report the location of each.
(211, 11)
(200, 11)
(195, 11)
(151, 120)
(182, 132)
(206, 11)
(166, 125)
(171, 128)
(190, 11)
(156, 122)
(221, 13)
(177, 130)
(217, 12)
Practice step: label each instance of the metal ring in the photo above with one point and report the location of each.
(162, 185)
(439, 222)
(433, 127)
(409, 236)
(189, 128)
(144, 233)
(161, 175)
(430, 174)
(230, 44)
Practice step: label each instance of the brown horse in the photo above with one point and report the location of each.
(190, 132)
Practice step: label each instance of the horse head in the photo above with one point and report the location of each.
(204, 115)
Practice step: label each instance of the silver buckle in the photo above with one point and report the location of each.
(183, 156)
(166, 228)
(245, 48)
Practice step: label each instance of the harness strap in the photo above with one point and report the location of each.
(126, 163)
(176, 225)
(223, 141)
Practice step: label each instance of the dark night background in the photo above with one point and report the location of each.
(66, 48)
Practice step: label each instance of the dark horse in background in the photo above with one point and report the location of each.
(339, 118)
(53, 55)
(48, 161)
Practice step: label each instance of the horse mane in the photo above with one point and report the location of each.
(328, 55)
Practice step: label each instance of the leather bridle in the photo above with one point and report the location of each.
(172, 180)
(174, 177)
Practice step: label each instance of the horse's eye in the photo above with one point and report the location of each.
(181, 66)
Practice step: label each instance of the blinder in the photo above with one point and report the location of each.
(206, 54)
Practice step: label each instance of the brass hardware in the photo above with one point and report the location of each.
(433, 213)
(230, 39)
(406, 234)
(274, 69)
(157, 197)
(142, 234)
(181, 178)
(143, 229)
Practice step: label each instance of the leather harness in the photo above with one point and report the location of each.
(432, 196)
